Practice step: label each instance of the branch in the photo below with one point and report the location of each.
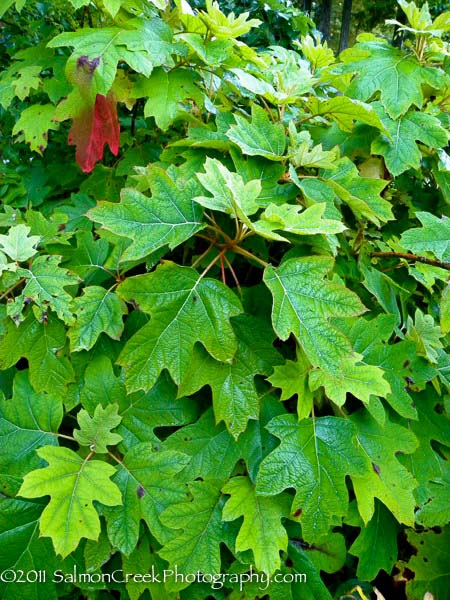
(428, 261)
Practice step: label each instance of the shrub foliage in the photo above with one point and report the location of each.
(224, 331)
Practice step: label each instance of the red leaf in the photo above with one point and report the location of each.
(92, 129)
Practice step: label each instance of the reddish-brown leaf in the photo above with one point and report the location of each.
(95, 126)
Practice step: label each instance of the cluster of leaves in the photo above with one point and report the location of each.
(226, 346)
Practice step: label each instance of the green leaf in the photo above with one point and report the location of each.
(314, 457)
(261, 530)
(97, 310)
(345, 111)
(295, 220)
(27, 552)
(429, 565)
(40, 344)
(145, 559)
(226, 26)
(387, 479)
(19, 4)
(35, 123)
(203, 441)
(18, 245)
(425, 334)
(168, 218)
(362, 194)
(429, 467)
(403, 369)
(376, 544)
(176, 297)
(73, 484)
(259, 137)
(198, 530)
(95, 432)
(149, 483)
(27, 421)
(235, 399)
(292, 378)
(142, 413)
(303, 153)
(231, 194)
(433, 236)
(303, 302)
(400, 150)
(145, 45)
(88, 258)
(100, 386)
(381, 68)
(360, 380)
(330, 554)
(45, 285)
(165, 93)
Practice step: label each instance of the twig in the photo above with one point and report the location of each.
(10, 289)
(233, 274)
(406, 255)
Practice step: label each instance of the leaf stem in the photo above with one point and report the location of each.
(66, 437)
(211, 264)
(248, 254)
(202, 256)
(233, 274)
(10, 289)
(415, 257)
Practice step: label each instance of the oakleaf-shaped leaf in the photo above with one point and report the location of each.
(168, 218)
(345, 111)
(198, 530)
(203, 441)
(425, 334)
(45, 283)
(302, 304)
(360, 380)
(95, 431)
(231, 194)
(430, 468)
(18, 245)
(226, 26)
(429, 564)
(95, 126)
(260, 137)
(165, 92)
(39, 343)
(433, 236)
(176, 297)
(296, 220)
(27, 421)
(143, 412)
(403, 368)
(292, 378)
(149, 482)
(35, 122)
(314, 457)
(386, 479)
(144, 45)
(362, 194)
(400, 150)
(376, 545)
(381, 68)
(235, 398)
(24, 551)
(261, 530)
(73, 484)
(97, 310)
